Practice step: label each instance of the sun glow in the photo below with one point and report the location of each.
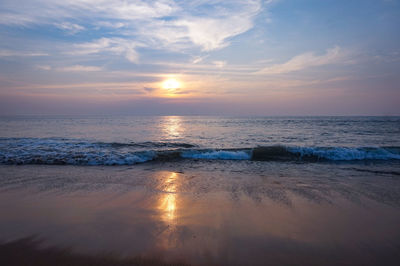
(171, 84)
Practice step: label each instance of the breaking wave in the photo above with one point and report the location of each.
(74, 152)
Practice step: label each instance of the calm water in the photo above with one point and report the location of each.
(208, 190)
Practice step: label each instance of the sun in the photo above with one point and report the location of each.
(171, 84)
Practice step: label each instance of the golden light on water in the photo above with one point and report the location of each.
(171, 127)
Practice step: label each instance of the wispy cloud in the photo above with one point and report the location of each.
(79, 68)
(71, 28)
(43, 67)
(108, 24)
(198, 59)
(26, 12)
(10, 53)
(304, 61)
(211, 34)
(117, 46)
(219, 64)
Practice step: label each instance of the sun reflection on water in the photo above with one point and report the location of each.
(171, 127)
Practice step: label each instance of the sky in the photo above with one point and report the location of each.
(200, 57)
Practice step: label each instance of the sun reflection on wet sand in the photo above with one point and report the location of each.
(168, 204)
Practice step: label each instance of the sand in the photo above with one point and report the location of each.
(199, 215)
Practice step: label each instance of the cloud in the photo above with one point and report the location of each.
(204, 27)
(212, 34)
(108, 24)
(11, 19)
(93, 47)
(149, 89)
(27, 12)
(9, 53)
(117, 46)
(80, 68)
(198, 59)
(167, 24)
(306, 60)
(219, 64)
(43, 67)
(71, 28)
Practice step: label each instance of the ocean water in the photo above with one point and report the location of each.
(129, 140)
(207, 190)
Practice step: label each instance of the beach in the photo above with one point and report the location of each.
(199, 133)
(207, 214)
(179, 199)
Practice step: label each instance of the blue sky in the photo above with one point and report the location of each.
(276, 57)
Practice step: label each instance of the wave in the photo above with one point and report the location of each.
(218, 154)
(74, 152)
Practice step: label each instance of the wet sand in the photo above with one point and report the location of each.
(207, 215)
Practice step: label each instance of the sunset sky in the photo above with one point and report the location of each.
(271, 57)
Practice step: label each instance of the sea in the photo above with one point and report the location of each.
(205, 190)
(130, 140)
